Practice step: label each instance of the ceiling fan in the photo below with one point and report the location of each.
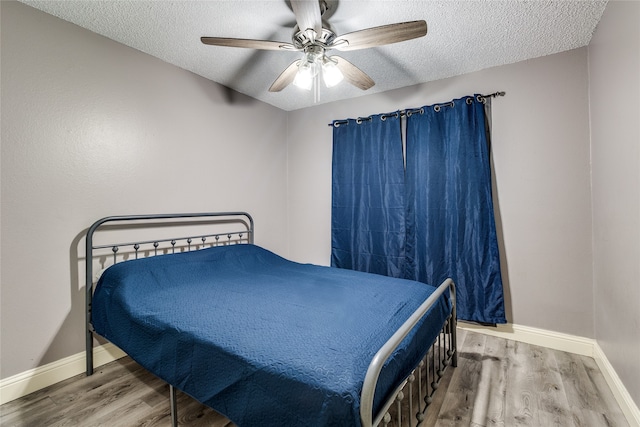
(314, 37)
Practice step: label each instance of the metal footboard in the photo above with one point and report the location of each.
(410, 401)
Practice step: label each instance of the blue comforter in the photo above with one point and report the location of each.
(263, 340)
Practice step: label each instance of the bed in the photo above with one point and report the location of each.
(261, 339)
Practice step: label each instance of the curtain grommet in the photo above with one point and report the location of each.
(469, 101)
(436, 108)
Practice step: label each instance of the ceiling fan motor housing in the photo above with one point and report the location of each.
(302, 39)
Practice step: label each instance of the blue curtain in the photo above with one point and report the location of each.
(367, 216)
(450, 226)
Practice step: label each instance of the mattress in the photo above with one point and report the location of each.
(263, 340)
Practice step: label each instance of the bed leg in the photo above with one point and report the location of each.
(454, 343)
(454, 325)
(89, 352)
(173, 402)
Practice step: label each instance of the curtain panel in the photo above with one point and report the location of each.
(450, 226)
(367, 213)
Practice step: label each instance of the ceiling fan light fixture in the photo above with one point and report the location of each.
(331, 74)
(313, 35)
(307, 71)
(308, 67)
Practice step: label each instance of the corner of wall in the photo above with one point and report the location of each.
(593, 245)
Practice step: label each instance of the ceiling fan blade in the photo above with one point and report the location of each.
(285, 78)
(353, 74)
(248, 43)
(378, 36)
(307, 14)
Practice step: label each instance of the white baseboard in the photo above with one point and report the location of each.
(21, 384)
(628, 406)
(570, 344)
(555, 340)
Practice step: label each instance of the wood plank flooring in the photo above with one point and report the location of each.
(497, 382)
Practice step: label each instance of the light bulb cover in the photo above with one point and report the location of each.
(307, 71)
(305, 75)
(331, 74)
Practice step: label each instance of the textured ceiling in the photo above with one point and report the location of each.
(463, 36)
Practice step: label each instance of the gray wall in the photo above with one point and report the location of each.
(614, 90)
(542, 170)
(92, 128)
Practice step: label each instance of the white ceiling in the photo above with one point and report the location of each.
(463, 36)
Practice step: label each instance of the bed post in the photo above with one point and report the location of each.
(89, 296)
(454, 330)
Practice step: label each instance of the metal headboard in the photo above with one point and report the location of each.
(188, 242)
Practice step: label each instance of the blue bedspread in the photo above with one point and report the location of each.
(263, 340)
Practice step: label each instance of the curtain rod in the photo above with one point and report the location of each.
(404, 112)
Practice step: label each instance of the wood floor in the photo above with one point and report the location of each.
(497, 382)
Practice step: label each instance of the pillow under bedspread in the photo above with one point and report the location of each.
(263, 340)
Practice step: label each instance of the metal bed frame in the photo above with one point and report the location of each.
(409, 402)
